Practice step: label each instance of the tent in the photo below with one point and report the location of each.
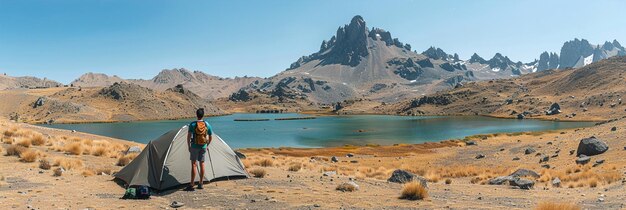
(164, 163)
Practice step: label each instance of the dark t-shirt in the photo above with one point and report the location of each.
(192, 130)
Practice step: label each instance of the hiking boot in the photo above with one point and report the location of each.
(200, 186)
(189, 188)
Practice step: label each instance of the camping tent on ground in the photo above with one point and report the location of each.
(164, 163)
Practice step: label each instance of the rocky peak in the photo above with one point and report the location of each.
(572, 51)
(437, 54)
(616, 44)
(173, 75)
(477, 59)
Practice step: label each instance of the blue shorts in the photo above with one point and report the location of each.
(197, 154)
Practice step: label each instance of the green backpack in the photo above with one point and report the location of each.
(131, 193)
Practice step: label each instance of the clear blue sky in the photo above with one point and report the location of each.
(136, 39)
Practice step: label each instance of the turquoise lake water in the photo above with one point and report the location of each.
(326, 131)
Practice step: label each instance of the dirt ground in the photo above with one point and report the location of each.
(25, 185)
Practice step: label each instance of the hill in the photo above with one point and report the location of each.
(8, 82)
(119, 102)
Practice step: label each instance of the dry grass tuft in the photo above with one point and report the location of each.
(88, 172)
(44, 164)
(68, 163)
(38, 139)
(295, 167)
(258, 172)
(345, 187)
(126, 159)
(414, 191)
(7, 140)
(74, 148)
(29, 156)
(25, 142)
(556, 206)
(15, 150)
(265, 162)
(100, 151)
(448, 181)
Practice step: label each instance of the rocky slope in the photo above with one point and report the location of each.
(578, 53)
(358, 62)
(95, 80)
(118, 102)
(8, 82)
(593, 92)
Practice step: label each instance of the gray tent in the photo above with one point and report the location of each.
(164, 163)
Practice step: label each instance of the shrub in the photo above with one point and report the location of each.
(29, 156)
(346, 187)
(88, 172)
(100, 151)
(38, 139)
(10, 132)
(15, 150)
(126, 159)
(414, 191)
(258, 172)
(74, 148)
(448, 181)
(295, 167)
(25, 142)
(8, 140)
(68, 163)
(44, 164)
(556, 206)
(265, 163)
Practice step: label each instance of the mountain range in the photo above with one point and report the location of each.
(357, 62)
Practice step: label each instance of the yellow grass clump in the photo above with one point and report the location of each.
(25, 142)
(265, 162)
(414, 191)
(68, 163)
(258, 172)
(38, 139)
(88, 172)
(346, 187)
(15, 150)
(100, 151)
(7, 140)
(29, 156)
(295, 167)
(74, 148)
(556, 206)
(126, 159)
(448, 181)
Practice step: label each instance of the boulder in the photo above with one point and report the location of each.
(591, 146)
(402, 176)
(529, 150)
(583, 159)
(524, 173)
(349, 155)
(471, 143)
(480, 156)
(329, 173)
(613, 128)
(334, 159)
(133, 149)
(556, 182)
(544, 158)
(525, 184)
(554, 109)
(500, 180)
(598, 162)
(40, 102)
(520, 116)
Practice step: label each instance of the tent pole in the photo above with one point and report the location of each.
(210, 161)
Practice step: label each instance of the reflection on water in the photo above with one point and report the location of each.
(326, 131)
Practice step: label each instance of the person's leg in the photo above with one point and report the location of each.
(193, 172)
(201, 177)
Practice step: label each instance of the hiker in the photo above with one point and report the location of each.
(198, 139)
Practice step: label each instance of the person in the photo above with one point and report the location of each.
(199, 137)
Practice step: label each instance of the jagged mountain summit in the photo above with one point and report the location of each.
(358, 62)
(578, 53)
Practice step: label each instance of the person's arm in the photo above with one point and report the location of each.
(189, 139)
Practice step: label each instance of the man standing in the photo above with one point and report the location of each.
(199, 137)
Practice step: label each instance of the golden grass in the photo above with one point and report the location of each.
(44, 164)
(68, 163)
(15, 150)
(74, 148)
(100, 151)
(345, 187)
(556, 206)
(126, 159)
(8, 140)
(38, 139)
(29, 156)
(258, 172)
(581, 176)
(25, 142)
(265, 162)
(88, 172)
(414, 191)
(295, 167)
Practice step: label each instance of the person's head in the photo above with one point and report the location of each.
(200, 113)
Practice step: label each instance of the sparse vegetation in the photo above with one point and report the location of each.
(25, 142)
(126, 159)
(74, 148)
(295, 167)
(15, 150)
(68, 163)
(29, 156)
(448, 181)
(258, 172)
(414, 191)
(556, 206)
(265, 163)
(345, 187)
(88, 172)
